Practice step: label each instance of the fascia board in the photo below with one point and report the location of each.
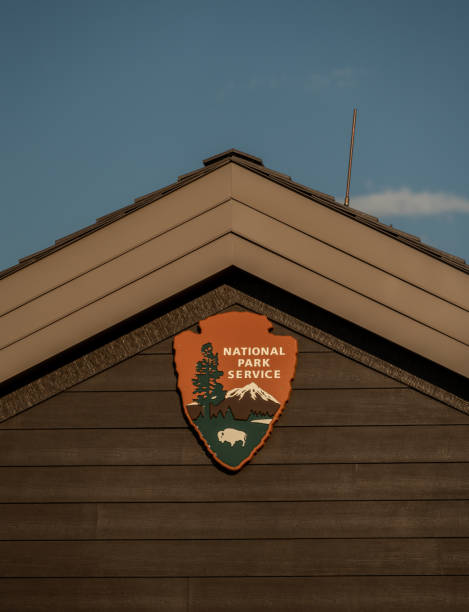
(114, 274)
(210, 259)
(354, 307)
(265, 231)
(351, 236)
(351, 273)
(117, 306)
(110, 241)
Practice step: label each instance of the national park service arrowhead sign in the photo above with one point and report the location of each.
(235, 379)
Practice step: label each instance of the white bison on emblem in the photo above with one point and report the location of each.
(232, 436)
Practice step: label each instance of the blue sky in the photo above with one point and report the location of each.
(105, 100)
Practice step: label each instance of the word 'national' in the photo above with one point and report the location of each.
(253, 350)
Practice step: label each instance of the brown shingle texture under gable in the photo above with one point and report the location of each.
(255, 164)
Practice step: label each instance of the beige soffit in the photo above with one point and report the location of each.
(233, 216)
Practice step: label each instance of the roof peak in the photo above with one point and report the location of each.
(230, 153)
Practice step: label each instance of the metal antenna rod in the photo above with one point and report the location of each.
(352, 138)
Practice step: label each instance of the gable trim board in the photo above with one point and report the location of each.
(183, 317)
(234, 217)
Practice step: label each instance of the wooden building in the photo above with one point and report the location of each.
(359, 501)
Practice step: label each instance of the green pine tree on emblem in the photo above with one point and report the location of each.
(207, 390)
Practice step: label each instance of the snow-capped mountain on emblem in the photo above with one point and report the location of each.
(254, 391)
(247, 400)
(232, 415)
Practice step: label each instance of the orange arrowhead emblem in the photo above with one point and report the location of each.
(234, 378)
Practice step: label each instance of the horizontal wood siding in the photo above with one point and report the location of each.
(273, 557)
(201, 520)
(306, 407)
(359, 481)
(288, 445)
(358, 502)
(321, 594)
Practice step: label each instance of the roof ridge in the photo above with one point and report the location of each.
(229, 153)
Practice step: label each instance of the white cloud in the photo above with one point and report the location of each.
(406, 202)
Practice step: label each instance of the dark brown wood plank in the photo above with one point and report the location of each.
(333, 371)
(101, 447)
(164, 558)
(358, 519)
(49, 521)
(332, 594)
(286, 445)
(253, 483)
(113, 409)
(139, 373)
(121, 409)
(314, 371)
(284, 520)
(366, 444)
(99, 594)
(367, 407)
(325, 594)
